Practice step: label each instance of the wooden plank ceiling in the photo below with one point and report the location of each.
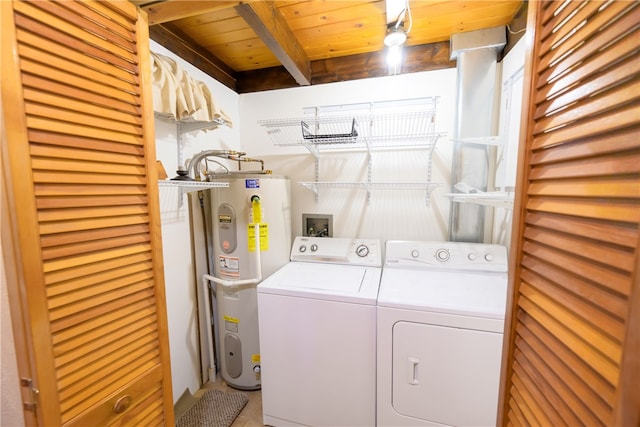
(261, 45)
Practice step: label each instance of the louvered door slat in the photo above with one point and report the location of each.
(579, 247)
(562, 24)
(43, 30)
(543, 374)
(557, 47)
(606, 48)
(71, 344)
(81, 38)
(548, 347)
(30, 39)
(584, 308)
(82, 79)
(612, 303)
(68, 305)
(79, 93)
(611, 56)
(59, 294)
(614, 188)
(102, 267)
(555, 15)
(103, 25)
(85, 86)
(82, 105)
(40, 56)
(137, 353)
(592, 105)
(574, 263)
(618, 142)
(609, 122)
(96, 245)
(133, 330)
(80, 317)
(607, 233)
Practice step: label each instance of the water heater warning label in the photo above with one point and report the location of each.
(252, 183)
(231, 323)
(229, 266)
(264, 237)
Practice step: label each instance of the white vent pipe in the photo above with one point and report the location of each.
(476, 53)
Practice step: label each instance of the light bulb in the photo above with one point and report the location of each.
(394, 55)
(394, 59)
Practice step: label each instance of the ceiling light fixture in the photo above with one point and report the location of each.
(396, 34)
(396, 37)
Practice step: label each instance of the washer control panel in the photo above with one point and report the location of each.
(335, 250)
(446, 255)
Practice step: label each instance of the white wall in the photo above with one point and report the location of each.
(390, 214)
(507, 154)
(179, 278)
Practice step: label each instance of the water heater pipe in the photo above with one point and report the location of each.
(206, 278)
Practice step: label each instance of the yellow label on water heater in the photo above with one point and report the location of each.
(264, 237)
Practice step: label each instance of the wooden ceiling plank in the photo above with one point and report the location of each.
(169, 36)
(172, 10)
(267, 21)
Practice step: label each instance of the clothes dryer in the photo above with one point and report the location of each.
(317, 318)
(440, 324)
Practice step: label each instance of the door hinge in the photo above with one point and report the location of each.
(30, 406)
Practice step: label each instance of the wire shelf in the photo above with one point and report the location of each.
(370, 131)
(191, 186)
(388, 125)
(496, 199)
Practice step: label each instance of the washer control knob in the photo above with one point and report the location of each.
(256, 369)
(471, 256)
(488, 257)
(302, 248)
(362, 251)
(314, 247)
(442, 255)
(415, 253)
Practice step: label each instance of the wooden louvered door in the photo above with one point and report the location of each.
(573, 322)
(81, 219)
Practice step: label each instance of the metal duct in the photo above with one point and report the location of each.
(476, 53)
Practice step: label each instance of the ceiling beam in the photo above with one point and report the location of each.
(172, 38)
(426, 57)
(269, 24)
(171, 10)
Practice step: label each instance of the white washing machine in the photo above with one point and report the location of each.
(317, 322)
(440, 323)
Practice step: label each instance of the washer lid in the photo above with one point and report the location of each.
(333, 282)
(471, 294)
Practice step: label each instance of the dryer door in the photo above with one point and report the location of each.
(446, 375)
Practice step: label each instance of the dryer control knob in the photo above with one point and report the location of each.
(489, 257)
(314, 247)
(302, 248)
(415, 253)
(362, 251)
(471, 256)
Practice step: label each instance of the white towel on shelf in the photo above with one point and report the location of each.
(179, 96)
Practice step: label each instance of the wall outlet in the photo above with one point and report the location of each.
(317, 225)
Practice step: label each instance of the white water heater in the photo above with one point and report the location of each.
(252, 202)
